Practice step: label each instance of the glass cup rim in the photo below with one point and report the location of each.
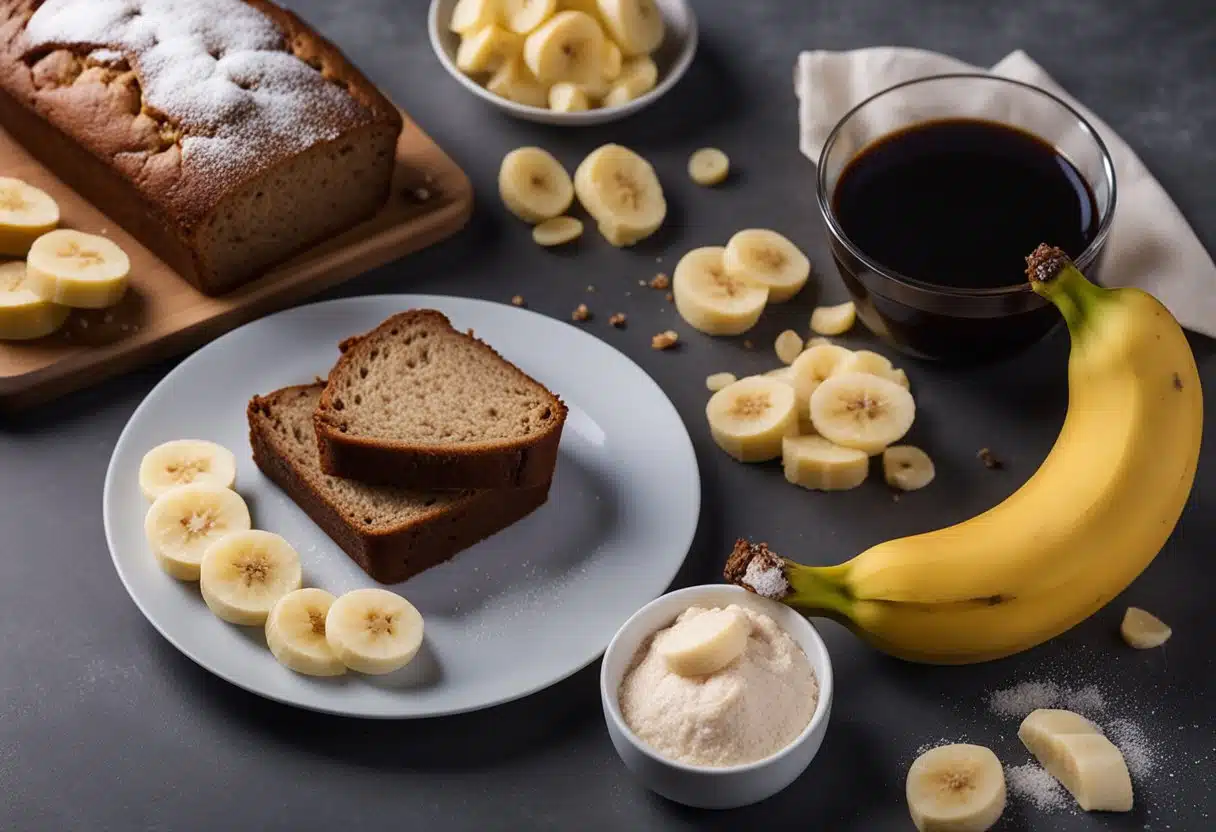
(829, 214)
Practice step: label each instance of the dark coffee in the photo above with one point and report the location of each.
(961, 202)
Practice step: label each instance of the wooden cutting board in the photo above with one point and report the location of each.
(163, 315)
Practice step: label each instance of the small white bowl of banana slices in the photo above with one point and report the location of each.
(568, 62)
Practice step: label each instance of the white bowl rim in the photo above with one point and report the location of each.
(820, 716)
(677, 71)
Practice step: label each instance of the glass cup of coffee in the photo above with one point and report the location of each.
(934, 191)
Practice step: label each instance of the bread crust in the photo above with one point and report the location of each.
(506, 464)
(87, 124)
(397, 554)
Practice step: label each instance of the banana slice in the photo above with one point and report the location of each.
(901, 378)
(708, 166)
(487, 49)
(76, 269)
(185, 461)
(184, 521)
(956, 788)
(570, 47)
(244, 574)
(613, 61)
(568, 98)
(637, 25)
(533, 184)
(23, 314)
(718, 381)
(1143, 630)
(788, 345)
(514, 82)
(702, 644)
(783, 374)
(26, 213)
(709, 299)
(812, 368)
(816, 340)
(863, 412)
(471, 15)
(638, 76)
(557, 231)
(750, 418)
(622, 192)
(374, 631)
(1073, 751)
(295, 633)
(524, 16)
(907, 467)
(815, 463)
(768, 259)
(833, 320)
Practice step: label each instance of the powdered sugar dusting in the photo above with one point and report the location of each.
(766, 579)
(218, 69)
(1018, 701)
(1031, 783)
(1135, 745)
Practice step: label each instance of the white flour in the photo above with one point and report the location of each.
(745, 712)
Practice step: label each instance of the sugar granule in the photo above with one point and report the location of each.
(1033, 784)
(1087, 700)
(1135, 745)
(1018, 701)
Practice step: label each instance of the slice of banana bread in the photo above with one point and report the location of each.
(415, 403)
(393, 534)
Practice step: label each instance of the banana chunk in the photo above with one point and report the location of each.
(76, 269)
(718, 381)
(614, 61)
(569, 47)
(514, 82)
(812, 368)
(185, 461)
(768, 259)
(244, 574)
(533, 185)
(1143, 630)
(471, 15)
(708, 166)
(956, 788)
(788, 346)
(833, 320)
(24, 315)
(638, 76)
(26, 213)
(874, 364)
(487, 49)
(750, 418)
(636, 25)
(1075, 752)
(374, 631)
(184, 521)
(862, 411)
(557, 231)
(524, 16)
(815, 463)
(703, 644)
(295, 633)
(622, 192)
(709, 299)
(907, 467)
(568, 98)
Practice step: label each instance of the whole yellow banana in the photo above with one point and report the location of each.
(1089, 521)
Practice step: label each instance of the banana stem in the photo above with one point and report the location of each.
(812, 590)
(1053, 276)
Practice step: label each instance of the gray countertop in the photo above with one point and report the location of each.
(103, 725)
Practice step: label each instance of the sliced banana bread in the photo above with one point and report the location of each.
(416, 404)
(393, 534)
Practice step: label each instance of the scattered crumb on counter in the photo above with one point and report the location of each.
(748, 345)
(590, 288)
(989, 459)
(659, 281)
(618, 320)
(581, 313)
(665, 340)
(518, 300)
(669, 297)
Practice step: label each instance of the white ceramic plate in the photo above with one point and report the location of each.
(506, 618)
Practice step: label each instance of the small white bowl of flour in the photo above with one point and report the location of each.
(722, 735)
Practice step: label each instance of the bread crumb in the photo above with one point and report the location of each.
(109, 318)
(618, 320)
(660, 281)
(581, 313)
(670, 297)
(84, 323)
(748, 345)
(641, 282)
(665, 340)
(990, 461)
(590, 288)
(518, 300)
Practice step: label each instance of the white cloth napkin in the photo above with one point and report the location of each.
(1151, 244)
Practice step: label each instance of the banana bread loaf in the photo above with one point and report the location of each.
(225, 135)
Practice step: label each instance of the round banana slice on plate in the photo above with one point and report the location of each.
(636, 25)
(374, 631)
(569, 47)
(958, 787)
(750, 418)
(184, 521)
(184, 461)
(24, 315)
(244, 574)
(907, 467)
(767, 259)
(26, 213)
(295, 633)
(710, 300)
(862, 411)
(622, 192)
(76, 269)
(533, 184)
